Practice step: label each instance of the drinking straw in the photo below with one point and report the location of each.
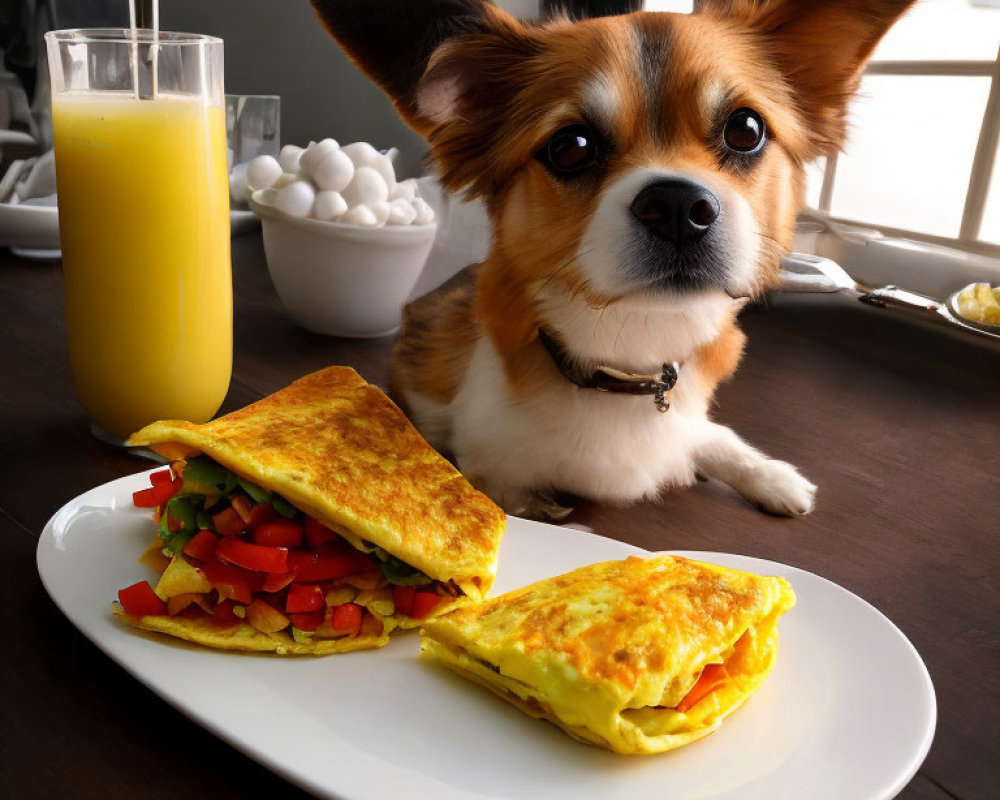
(134, 59)
(147, 13)
(156, 45)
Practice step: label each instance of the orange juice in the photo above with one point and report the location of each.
(144, 227)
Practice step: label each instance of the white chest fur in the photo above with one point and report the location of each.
(637, 334)
(605, 446)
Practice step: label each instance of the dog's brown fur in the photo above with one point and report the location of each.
(487, 91)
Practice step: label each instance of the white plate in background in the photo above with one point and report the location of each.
(848, 712)
(32, 231)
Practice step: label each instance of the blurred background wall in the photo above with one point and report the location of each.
(272, 47)
(278, 47)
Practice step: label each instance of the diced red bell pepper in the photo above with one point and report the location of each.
(228, 522)
(346, 618)
(235, 551)
(160, 478)
(157, 495)
(231, 582)
(276, 581)
(329, 562)
(278, 533)
(402, 597)
(424, 603)
(303, 598)
(223, 616)
(261, 513)
(317, 533)
(307, 622)
(265, 617)
(139, 600)
(201, 546)
(145, 498)
(712, 677)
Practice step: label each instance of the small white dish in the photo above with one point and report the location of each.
(343, 280)
(29, 226)
(32, 231)
(847, 714)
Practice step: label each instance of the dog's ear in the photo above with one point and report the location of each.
(821, 47)
(392, 41)
(470, 101)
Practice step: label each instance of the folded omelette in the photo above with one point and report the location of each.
(637, 656)
(316, 520)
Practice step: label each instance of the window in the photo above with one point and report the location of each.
(920, 160)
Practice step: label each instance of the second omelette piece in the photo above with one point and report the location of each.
(638, 656)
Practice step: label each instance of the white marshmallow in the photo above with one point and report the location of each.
(366, 187)
(425, 214)
(333, 172)
(364, 155)
(262, 172)
(315, 153)
(407, 190)
(296, 199)
(381, 211)
(383, 166)
(401, 212)
(361, 153)
(329, 206)
(289, 158)
(238, 189)
(360, 215)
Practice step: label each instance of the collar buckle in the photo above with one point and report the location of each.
(666, 381)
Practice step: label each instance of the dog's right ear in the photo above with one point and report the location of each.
(392, 42)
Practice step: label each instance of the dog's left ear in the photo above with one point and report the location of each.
(821, 46)
(392, 41)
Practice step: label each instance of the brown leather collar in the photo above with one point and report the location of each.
(608, 379)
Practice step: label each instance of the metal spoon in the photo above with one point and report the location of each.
(802, 272)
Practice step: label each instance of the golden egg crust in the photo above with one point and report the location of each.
(340, 450)
(245, 638)
(608, 651)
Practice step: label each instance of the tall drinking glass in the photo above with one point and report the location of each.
(140, 145)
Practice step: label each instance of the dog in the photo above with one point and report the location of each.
(642, 173)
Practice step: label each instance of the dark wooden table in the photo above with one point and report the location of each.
(899, 426)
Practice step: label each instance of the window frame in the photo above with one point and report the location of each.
(980, 173)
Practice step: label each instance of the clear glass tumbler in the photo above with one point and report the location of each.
(140, 145)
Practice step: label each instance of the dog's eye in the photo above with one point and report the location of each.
(570, 149)
(744, 131)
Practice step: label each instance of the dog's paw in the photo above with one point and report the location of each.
(777, 487)
(533, 505)
(544, 507)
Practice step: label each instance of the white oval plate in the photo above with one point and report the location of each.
(848, 712)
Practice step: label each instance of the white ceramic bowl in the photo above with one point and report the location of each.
(343, 280)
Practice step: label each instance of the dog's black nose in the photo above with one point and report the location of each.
(676, 209)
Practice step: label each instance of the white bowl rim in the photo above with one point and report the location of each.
(25, 209)
(328, 228)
